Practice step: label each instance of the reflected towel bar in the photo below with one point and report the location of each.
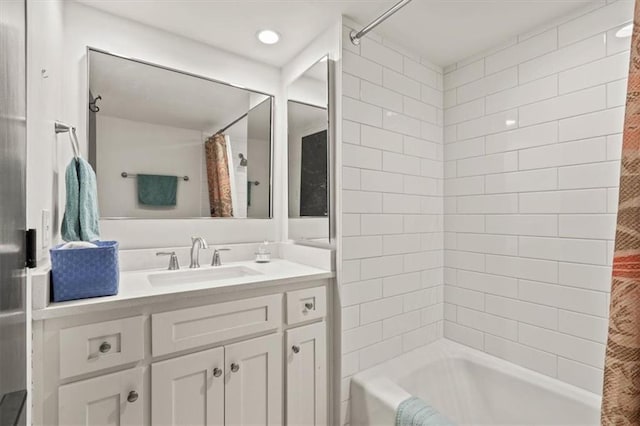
(131, 175)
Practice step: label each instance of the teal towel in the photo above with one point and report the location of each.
(415, 412)
(157, 190)
(81, 217)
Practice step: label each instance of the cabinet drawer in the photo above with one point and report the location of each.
(113, 399)
(189, 328)
(305, 305)
(94, 347)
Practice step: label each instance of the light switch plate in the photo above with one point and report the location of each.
(46, 228)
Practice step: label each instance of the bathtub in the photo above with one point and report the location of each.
(470, 388)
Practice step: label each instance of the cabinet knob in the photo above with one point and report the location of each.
(217, 372)
(133, 396)
(295, 349)
(105, 347)
(235, 367)
(308, 306)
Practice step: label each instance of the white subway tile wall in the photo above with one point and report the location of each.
(392, 192)
(532, 148)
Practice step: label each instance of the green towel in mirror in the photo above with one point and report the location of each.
(157, 190)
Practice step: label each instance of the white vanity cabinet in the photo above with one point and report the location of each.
(113, 399)
(253, 390)
(214, 361)
(240, 384)
(307, 375)
(189, 390)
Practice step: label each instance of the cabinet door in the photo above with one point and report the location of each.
(253, 393)
(306, 353)
(113, 399)
(189, 390)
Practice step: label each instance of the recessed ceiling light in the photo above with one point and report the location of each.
(510, 123)
(625, 31)
(268, 36)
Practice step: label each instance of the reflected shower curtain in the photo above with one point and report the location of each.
(218, 178)
(621, 392)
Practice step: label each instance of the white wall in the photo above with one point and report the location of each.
(309, 90)
(392, 176)
(85, 26)
(44, 106)
(259, 161)
(532, 151)
(136, 147)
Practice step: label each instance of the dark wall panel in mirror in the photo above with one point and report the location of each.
(313, 175)
(167, 144)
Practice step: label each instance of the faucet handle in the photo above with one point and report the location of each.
(173, 260)
(215, 261)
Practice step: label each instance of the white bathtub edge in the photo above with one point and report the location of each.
(376, 394)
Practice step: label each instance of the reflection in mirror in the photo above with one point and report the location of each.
(167, 144)
(308, 153)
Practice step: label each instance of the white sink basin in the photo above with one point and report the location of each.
(195, 276)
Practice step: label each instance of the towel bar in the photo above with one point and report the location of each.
(131, 175)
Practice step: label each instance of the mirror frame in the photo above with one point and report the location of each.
(272, 132)
(332, 177)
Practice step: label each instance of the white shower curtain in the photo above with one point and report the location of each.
(232, 177)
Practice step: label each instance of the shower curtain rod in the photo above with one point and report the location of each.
(219, 132)
(357, 36)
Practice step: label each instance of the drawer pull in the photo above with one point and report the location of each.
(217, 372)
(235, 367)
(105, 347)
(295, 349)
(132, 397)
(308, 306)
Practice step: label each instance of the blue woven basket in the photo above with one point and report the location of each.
(84, 273)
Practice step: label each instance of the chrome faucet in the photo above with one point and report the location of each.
(197, 243)
(215, 261)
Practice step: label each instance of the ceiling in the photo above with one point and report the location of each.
(444, 31)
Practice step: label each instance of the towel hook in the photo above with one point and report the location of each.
(93, 107)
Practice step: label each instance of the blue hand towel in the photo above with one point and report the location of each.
(415, 412)
(81, 217)
(157, 190)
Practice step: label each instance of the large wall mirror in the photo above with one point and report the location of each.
(308, 155)
(168, 144)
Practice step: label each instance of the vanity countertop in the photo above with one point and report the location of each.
(136, 287)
